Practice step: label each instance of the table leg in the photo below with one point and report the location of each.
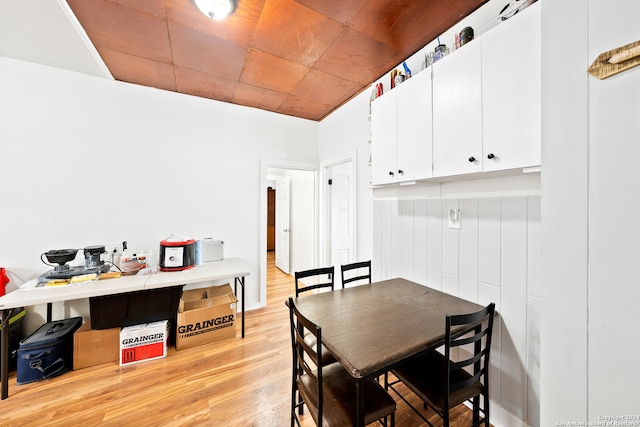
(4, 352)
(235, 289)
(360, 402)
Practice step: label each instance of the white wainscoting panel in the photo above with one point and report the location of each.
(489, 242)
(420, 227)
(493, 257)
(513, 281)
(407, 240)
(434, 244)
(468, 262)
(450, 241)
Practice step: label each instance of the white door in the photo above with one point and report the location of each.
(282, 224)
(341, 218)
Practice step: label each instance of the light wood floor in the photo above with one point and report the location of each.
(237, 382)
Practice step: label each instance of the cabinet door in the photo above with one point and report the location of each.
(511, 86)
(457, 112)
(383, 139)
(414, 132)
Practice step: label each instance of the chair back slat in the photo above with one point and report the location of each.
(322, 278)
(355, 272)
(461, 364)
(464, 340)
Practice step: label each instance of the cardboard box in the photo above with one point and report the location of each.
(139, 343)
(93, 347)
(206, 315)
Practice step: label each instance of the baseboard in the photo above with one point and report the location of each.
(500, 417)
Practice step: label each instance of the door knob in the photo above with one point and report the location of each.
(490, 156)
(391, 173)
(472, 159)
(400, 171)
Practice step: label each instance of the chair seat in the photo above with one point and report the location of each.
(339, 390)
(425, 376)
(326, 356)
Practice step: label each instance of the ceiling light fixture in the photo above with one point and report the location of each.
(216, 9)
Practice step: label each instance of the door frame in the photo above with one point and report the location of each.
(266, 164)
(325, 206)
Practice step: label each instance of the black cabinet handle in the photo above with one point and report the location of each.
(490, 156)
(472, 159)
(391, 173)
(400, 172)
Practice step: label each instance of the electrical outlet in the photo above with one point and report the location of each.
(114, 247)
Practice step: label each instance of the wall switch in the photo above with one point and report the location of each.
(454, 219)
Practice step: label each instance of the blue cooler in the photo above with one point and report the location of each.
(15, 335)
(47, 352)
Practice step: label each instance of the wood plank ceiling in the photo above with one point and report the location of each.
(302, 58)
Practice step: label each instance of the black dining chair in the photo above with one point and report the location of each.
(328, 391)
(316, 278)
(443, 384)
(356, 272)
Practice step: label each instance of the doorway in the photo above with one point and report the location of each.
(298, 242)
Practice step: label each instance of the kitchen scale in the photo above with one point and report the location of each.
(92, 263)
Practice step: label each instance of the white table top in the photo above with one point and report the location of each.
(215, 270)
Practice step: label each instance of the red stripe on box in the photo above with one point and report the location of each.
(142, 352)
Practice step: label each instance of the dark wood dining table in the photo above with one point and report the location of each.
(373, 328)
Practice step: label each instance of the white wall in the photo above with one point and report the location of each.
(564, 313)
(89, 161)
(345, 132)
(614, 210)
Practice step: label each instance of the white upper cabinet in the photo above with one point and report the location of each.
(511, 87)
(476, 110)
(414, 133)
(401, 132)
(383, 139)
(457, 112)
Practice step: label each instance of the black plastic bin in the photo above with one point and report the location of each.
(16, 333)
(48, 352)
(135, 308)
